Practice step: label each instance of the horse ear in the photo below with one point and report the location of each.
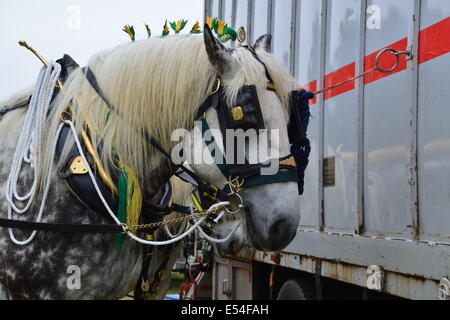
(264, 42)
(217, 53)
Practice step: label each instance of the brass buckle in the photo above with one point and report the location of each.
(238, 113)
(236, 184)
(290, 162)
(216, 193)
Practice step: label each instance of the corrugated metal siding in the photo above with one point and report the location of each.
(389, 133)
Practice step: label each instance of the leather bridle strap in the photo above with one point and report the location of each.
(270, 83)
(61, 227)
(19, 105)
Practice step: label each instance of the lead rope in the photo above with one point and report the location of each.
(28, 149)
(377, 67)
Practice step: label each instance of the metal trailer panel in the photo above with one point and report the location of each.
(260, 12)
(308, 67)
(434, 129)
(227, 10)
(242, 9)
(215, 7)
(232, 280)
(395, 283)
(340, 114)
(387, 128)
(212, 8)
(388, 133)
(282, 30)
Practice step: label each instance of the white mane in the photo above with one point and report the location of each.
(156, 86)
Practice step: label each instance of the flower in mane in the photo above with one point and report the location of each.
(166, 29)
(149, 32)
(130, 31)
(179, 25)
(211, 22)
(196, 28)
(221, 28)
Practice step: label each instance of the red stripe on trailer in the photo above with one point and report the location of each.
(434, 41)
(337, 77)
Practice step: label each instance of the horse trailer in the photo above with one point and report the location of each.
(375, 214)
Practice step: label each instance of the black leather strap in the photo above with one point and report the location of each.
(61, 228)
(19, 105)
(253, 51)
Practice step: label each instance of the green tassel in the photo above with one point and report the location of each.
(122, 212)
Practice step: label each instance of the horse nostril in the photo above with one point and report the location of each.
(277, 229)
(232, 246)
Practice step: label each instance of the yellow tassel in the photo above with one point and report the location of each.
(134, 197)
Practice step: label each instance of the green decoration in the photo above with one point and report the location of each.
(130, 31)
(149, 32)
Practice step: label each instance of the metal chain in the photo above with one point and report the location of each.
(200, 214)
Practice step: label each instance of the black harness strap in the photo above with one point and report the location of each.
(61, 228)
(255, 55)
(19, 105)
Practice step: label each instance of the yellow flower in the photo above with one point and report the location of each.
(196, 27)
(220, 27)
(130, 31)
(166, 29)
(209, 21)
(178, 28)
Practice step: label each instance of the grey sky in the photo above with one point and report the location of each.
(77, 27)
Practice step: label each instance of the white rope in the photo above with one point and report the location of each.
(219, 241)
(113, 216)
(169, 233)
(29, 148)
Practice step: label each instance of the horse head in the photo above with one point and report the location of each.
(271, 215)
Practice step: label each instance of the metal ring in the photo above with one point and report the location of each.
(218, 87)
(239, 206)
(65, 119)
(397, 60)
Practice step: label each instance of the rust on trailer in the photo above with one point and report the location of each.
(396, 284)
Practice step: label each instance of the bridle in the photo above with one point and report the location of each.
(245, 114)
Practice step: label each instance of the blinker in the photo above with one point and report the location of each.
(247, 115)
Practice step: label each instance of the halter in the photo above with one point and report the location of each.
(245, 114)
